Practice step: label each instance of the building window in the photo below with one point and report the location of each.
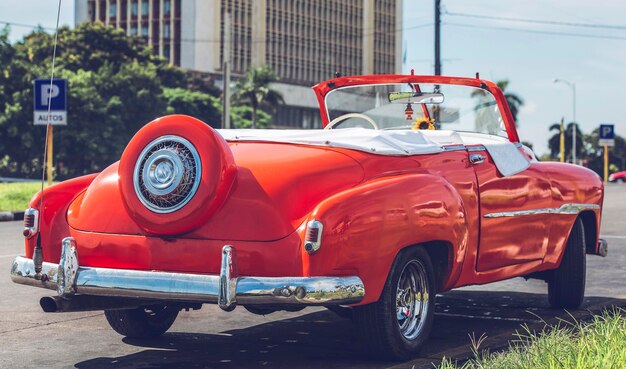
(133, 30)
(166, 30)
(145, 8)
(112, 10)
(92, 11)
(167, 7)
(134, 8)
(144, 30)
(166, 52)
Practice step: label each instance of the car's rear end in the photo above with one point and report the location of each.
(185, 218)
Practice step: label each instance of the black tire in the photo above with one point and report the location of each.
(143, 322)
(619, 180)
(378, 323)
(566, 287)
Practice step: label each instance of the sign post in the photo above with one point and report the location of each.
(50, 102)
(607, 138)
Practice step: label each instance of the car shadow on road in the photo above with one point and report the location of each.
(322, 339)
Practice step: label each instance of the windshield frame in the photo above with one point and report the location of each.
(324, 88)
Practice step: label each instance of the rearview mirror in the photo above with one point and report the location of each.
(415, 97)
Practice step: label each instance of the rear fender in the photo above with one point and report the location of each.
(53, 223)
(367, 226)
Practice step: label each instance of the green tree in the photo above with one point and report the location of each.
(241, 117)
(594, 155)
(554, 142)
(115, 86)
(255, 90)
(197, 104)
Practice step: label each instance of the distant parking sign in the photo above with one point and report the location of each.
(607, 135)
(55, 94)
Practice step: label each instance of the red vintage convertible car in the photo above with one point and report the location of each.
(417, 185)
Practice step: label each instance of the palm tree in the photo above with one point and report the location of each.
(554, 142)
(486, 124)
(255, 90)
(515, 102)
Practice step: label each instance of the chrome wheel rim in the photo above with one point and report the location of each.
(412, 299)
(167, 174)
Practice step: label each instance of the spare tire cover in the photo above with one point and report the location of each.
(175, 174)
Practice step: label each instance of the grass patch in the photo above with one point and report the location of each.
(16, 196)
(600, 343)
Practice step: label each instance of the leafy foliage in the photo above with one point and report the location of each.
(241, 117)
(255, 90)
(554, 142)
(197, 104)
(587, 148)
(115, 86)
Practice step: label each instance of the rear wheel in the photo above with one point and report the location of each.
(143, 322)
(566, 287)
(398, 324)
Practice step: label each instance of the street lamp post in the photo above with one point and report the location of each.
(572, 85)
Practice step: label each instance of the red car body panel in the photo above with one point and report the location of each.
(372, 206)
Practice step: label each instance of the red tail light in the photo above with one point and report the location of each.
(313, 238)
(31, 222)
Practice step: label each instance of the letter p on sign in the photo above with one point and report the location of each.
(48, 92)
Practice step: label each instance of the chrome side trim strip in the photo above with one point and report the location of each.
(454, 148)
(226, 289)
(565, 209)
(476, 148)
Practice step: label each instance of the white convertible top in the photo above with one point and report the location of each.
(392, 142)
(506, 156)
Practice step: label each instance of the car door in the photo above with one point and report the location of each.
(512, 230)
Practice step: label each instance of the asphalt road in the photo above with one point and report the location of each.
(312, 338)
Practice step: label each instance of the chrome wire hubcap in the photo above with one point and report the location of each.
(167, 174)
(412, 299)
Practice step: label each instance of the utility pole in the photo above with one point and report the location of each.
(571, 85)
(562, 141)
(226, 70)
(437, 37)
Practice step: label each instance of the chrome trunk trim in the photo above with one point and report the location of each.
(476, 148)
(226, 289)
(565, 209)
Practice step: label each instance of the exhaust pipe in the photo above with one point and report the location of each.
(603, 248)
(56, 304)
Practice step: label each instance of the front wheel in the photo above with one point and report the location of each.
(143, 322)
(566, 285)
(398, 324)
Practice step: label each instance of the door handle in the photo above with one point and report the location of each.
(476, 158)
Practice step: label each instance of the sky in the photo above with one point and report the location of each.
(529, 55)
(505, 49)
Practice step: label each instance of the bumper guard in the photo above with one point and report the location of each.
(227, 289)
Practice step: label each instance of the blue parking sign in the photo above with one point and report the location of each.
(55, 94)
(607, 135)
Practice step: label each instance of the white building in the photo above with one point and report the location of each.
(303, 41)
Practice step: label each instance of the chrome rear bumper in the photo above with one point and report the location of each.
(227, 289)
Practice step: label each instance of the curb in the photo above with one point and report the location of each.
(9, 216)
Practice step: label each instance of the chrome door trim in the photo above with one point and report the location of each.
(565, 209)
